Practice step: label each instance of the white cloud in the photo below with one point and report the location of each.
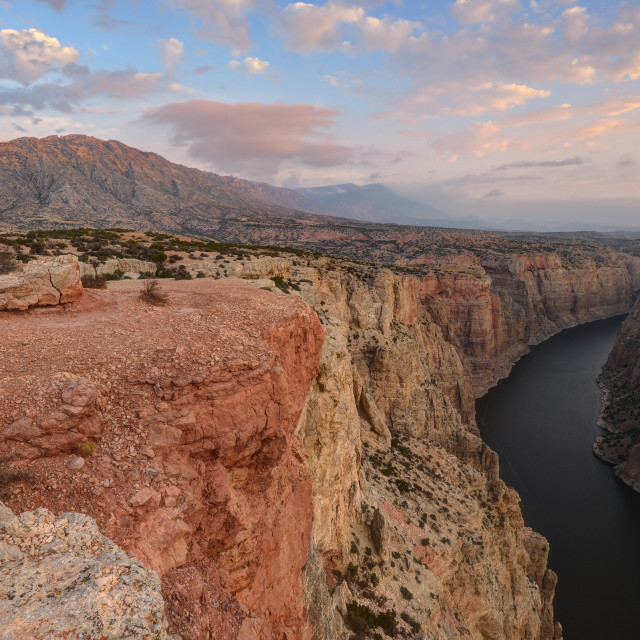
(27, 55)
(224, 21)
(252, 66)
(386, 34)
(471, 12)
(171, 53)
(308, 26)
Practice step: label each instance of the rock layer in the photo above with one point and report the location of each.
(192, 407)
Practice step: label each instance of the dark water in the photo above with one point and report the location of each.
(542, 422)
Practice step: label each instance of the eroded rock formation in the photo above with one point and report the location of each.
(196, 471)
(386, 499)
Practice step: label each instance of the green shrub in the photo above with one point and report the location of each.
(406, 594)
(87, 449)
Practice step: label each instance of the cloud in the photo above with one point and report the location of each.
(307, 27)
(529, 164)
(120, 84)
(252, 66)
(479, 139)
(58, 5)
(223, 21)
(495, 193)
(334, 82)
(27, 55)
(171, 53)
(250, 137)
(627, 162)
(470, 12)
(386, 34)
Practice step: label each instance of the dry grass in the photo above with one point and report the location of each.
(152, 293)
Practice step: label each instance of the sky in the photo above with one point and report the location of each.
(502, 109)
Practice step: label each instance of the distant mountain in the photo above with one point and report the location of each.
(373, 202)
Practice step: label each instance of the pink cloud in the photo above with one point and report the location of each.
(257, 139)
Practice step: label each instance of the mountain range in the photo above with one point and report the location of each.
(80, 180)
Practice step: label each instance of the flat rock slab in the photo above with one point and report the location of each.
(44, 282)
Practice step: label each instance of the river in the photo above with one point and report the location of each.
(542, 422)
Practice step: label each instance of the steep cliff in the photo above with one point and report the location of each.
(414, 531)
(185, 415)
(621, 408)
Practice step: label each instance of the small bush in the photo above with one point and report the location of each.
(152, 294)
(7, 262)
(9, 475)
(406, 594)
(94, 282)
(87, 449)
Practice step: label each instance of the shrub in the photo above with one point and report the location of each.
(152, 294)
(9, 475)
(406, 594)
(87, 449)
(7, 262)
(361, 619)
(94, 282)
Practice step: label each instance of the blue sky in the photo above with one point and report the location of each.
(497, 108)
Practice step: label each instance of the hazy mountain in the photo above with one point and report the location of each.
(373, 202)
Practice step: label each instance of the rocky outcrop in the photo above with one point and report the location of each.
(194, 468)
(130, 267)
(61, 577)
(43, 282)
(620, 379)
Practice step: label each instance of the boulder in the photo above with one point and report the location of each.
(47, 281)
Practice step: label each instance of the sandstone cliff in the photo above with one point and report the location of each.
(621, 408)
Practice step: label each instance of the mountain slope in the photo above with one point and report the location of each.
(79, 180)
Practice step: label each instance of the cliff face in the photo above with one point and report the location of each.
(514, 301)
(621, 409)
(196, 471)
(425, 510)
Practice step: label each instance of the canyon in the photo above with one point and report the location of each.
(295, 454)
(284, 440)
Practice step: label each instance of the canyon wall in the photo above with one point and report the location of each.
(621, 406)
(292, 474)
